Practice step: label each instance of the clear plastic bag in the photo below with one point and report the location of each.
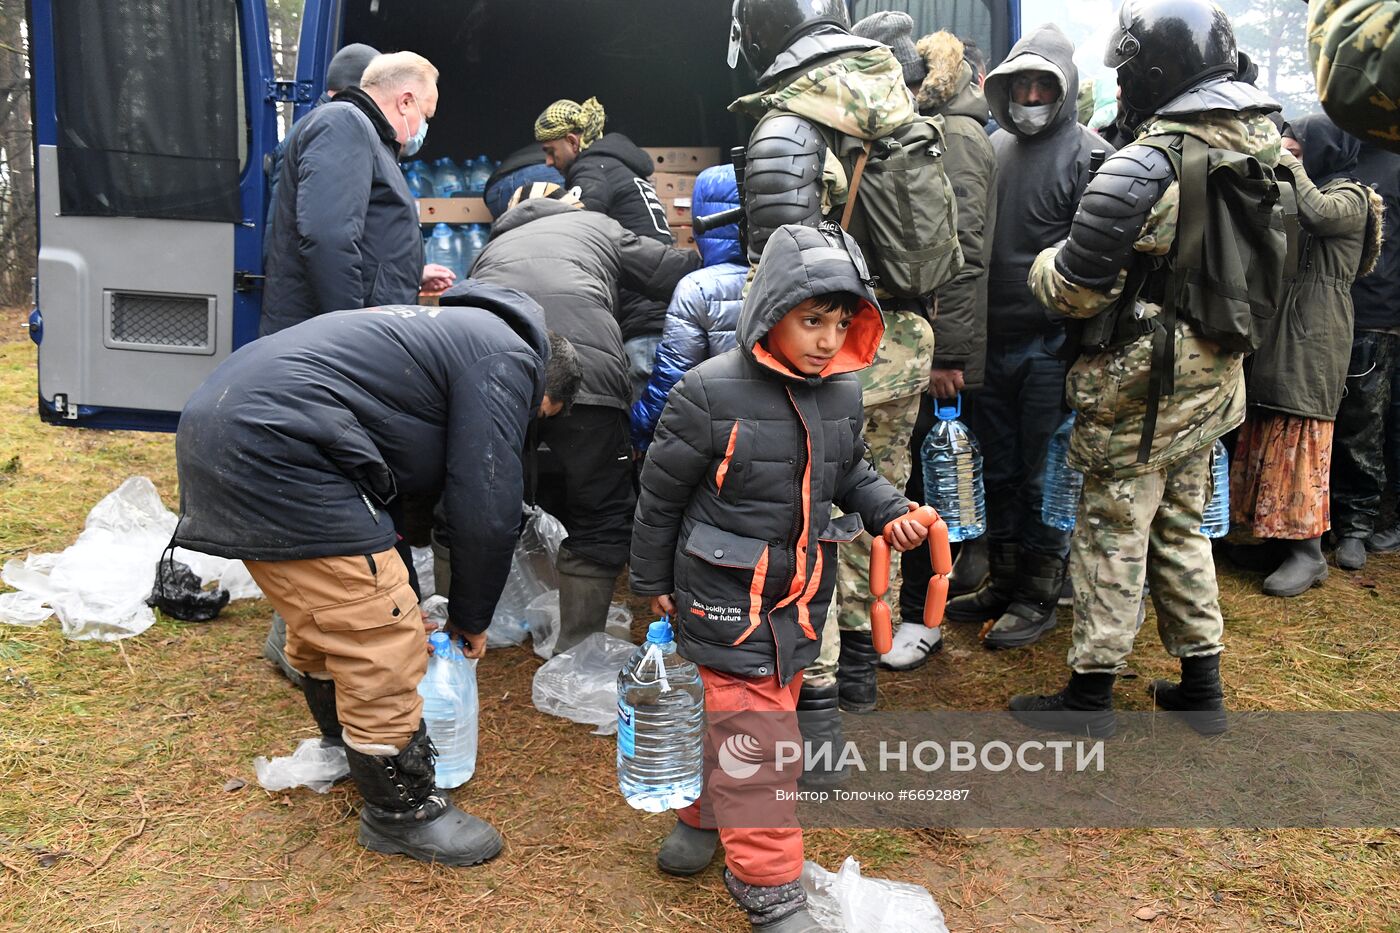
(541, 619)
(315, 764)
(846, 902)
(98, 586)
(423, 567)
(532, 569)
(581, 684)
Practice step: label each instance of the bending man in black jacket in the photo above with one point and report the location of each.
(572, 262)
(292, 456)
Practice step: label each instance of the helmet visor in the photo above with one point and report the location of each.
(736, 34)
(1123, 47)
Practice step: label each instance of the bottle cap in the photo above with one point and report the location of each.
(659, 632)
(440, 641)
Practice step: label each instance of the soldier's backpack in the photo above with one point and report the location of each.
(901, 204)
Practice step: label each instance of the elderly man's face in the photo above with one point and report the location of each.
(561, 152)
(1034, 88)
(415, 105)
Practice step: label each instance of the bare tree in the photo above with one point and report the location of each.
(18, 240)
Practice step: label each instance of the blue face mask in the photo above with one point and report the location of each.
(415, 142)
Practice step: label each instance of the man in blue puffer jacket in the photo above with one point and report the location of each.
(704, 310)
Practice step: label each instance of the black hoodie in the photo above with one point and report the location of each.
(1040, 179)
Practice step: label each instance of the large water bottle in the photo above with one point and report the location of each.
(444, 248)
(952, 464)
(420, 180)
(660, 725)
(480, 171)
(1059, 503)
(476, 237)
(448, 690)
(448, 178)
(1217, 514)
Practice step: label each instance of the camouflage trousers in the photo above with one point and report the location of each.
(1144, 529)
(887, 430)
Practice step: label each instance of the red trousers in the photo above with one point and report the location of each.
(761, 837)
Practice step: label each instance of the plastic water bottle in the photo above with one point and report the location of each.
(1059, 504)
(660, 725)
(476, 236)
(952, 464)
(448, 690)
(443, 249)
(420, 180)
(1217, 514)
(477, 177)
(448, 178)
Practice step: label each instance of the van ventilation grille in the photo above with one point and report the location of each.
(160, 321)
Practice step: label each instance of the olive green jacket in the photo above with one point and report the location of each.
(1355, 51)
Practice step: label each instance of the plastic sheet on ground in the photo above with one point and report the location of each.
(315, 764)
(581, 684)
(846, 902)
(532, 575)
(542, 622)
(98, 586)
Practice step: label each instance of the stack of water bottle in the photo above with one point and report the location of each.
(455, 246)
(444, 178)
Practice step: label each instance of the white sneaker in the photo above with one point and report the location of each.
(912, 646)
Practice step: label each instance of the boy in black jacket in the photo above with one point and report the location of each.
(733, 536)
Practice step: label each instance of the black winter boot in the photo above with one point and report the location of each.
(585, 593)
(1386, 540)
(780, 908)
(1039, 580)
(1084, 707)
(1199, 699)
(993, 597)
(687, 851)
(819, 718)
(1301, 570)
(320, 699)
(404, 814)
(275, 649)
(970, 568)
(1351, 553)
(855, 672)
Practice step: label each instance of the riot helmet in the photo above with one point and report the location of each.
(761, 29)
(1163, 48)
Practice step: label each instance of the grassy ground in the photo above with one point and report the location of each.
(120, 766)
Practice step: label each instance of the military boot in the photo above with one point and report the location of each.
(993, 597)
(320, 699)
(819, 718)
(687, 850)
(970, 568)
(1199, 699)
(855, 671)
(585, 593)
(779, 908)
(404, 814)
(1039, 580)
(1083, 707)
(1301, 570)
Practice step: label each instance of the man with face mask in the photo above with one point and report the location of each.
(1042, 168)
(344, 232)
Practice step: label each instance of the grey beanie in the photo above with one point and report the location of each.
(896, 30)
(348, 66)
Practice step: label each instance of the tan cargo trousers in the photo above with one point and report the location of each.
(355, 620)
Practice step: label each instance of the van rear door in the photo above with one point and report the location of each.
(151, 119)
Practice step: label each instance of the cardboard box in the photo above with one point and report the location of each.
(671, 185)
(685, 237)
(453, 211)
(684, 160)
(678, 211)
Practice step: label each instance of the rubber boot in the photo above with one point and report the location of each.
(819, 718)
(320, 699)
(275, 649)
(585, 593)
(1351, 553)
(970, 568)
(1301, 570)
(1039, 580)
(404, 814)
(1199, 699)
(687, 851)
(1385, 541)
(1083, 707)
(780, 908)
(855, 672)
(993, 597)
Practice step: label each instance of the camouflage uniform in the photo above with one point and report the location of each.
(1355, 50)
(1130, 510)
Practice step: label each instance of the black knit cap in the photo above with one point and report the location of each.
(348, 66)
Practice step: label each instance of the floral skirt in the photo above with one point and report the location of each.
(1279, 479)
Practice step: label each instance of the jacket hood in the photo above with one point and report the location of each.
(861, 94)
(949, 74)
(624, 150)
(517, 309)
(798, 263)
(526, 211)
(1328, 150)
(715, 191)
(806, 51)
(1045, 49)
(1250, 132)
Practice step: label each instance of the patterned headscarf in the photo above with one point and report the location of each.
(546, 189)
(565, 116)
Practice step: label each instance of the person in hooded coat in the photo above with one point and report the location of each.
(572, 262)
(705, 307)
(1279, 485)
(735, 541)
(1043, 158)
